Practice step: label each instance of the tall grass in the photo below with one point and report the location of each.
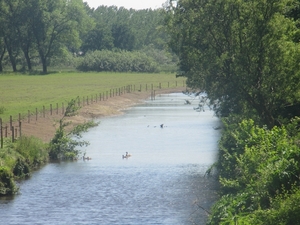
(20, 93)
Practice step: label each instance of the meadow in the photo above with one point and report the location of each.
(22, 92)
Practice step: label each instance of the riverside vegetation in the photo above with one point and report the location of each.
(18, 159)
(246, 56)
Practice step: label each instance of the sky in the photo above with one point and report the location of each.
(135, 4)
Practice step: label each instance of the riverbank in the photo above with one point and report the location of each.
(44, 128)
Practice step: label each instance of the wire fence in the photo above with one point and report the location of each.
(13, 128)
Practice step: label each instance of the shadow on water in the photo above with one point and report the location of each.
(161, 183)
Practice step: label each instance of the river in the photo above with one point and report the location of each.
(162, 182)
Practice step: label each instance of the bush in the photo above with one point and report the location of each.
(121, 61)
(33, 151)
(7, 184)
(259, 174)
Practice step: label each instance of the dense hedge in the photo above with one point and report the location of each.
(119, 61)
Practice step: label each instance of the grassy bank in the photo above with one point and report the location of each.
(20, 93)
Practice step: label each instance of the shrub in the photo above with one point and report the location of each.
(7, 184)
(120, 61)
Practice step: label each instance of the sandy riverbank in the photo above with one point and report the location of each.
(44, 128)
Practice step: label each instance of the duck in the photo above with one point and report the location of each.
(126, 155)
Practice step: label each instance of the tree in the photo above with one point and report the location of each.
(63, 145)
(55, 24)
(241, 53)
(100, 38)
(123, 37)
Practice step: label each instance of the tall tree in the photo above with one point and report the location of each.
(241, 53)
(55, 24)
(9, 17)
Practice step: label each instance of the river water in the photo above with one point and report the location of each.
(161, 183)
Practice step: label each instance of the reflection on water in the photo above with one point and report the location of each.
(161, 183)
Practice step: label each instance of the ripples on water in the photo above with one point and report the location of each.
(161, 183)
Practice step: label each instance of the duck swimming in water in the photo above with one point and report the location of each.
(126, 155)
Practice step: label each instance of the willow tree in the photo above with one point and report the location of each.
(241, 53)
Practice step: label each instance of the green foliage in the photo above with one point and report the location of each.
(33, 151)
(7, 184)
(244, 58)
(63, 145)
(258, 171)
(121, 61)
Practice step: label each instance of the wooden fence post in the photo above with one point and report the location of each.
(20, 129)
(6, 131)
(63, 108)
(1, 134)
(10, 122)
(43, 111)
(12, 134)
(51, 109)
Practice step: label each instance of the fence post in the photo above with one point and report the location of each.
(12, 134)
(51, 109)
(20, 129)
(63, 108)
(1, 134)
(10, 122)
(43, 111)
(6, 131)
(28, 116)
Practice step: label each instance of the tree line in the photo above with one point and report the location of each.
(60, 32)
(246, 56)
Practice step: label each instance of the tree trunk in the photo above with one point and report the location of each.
(11, 56)
(28, 61)
(1, 58)
(44, 61)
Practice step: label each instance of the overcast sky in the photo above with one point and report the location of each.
(135, 4)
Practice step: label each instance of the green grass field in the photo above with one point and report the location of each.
(20, 93)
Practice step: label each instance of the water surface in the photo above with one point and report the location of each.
(161, 183)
